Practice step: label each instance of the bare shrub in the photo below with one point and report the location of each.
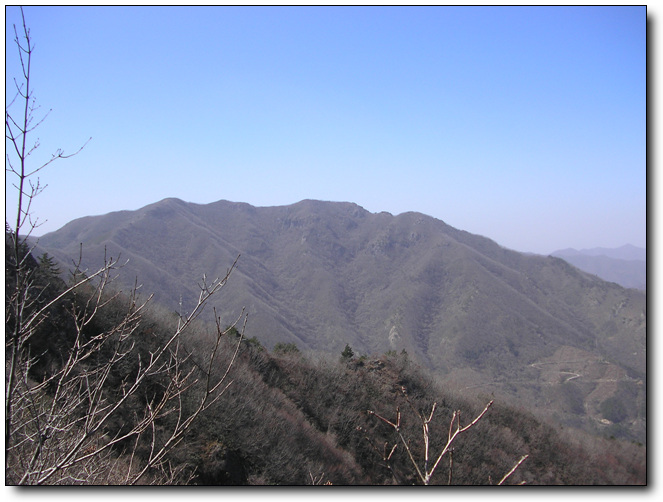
(426, 465)
(60, 406)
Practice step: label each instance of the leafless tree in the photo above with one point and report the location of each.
(57, 425)
(426, 467)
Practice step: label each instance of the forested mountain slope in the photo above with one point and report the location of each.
(322, 275)
(280, 418)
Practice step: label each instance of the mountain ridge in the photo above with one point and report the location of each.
(323, 274)
(626, 252)
(625, 265)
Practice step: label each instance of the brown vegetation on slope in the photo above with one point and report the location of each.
(322, 274)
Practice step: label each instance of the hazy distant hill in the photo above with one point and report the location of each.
(626, 265)
(626, 252)
(323, 274)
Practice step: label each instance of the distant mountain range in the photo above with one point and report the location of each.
(626, 265)
(532, 329)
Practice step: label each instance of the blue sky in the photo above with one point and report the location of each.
(523, 124)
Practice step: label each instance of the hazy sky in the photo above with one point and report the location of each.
(523, 124)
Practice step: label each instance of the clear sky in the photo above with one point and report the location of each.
(523, 124)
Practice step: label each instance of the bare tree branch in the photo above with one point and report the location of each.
(425, 472)
(57, 420)
(513, 469)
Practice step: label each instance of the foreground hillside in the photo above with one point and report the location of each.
(285, 418)
(321, 275)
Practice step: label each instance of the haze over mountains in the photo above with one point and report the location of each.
(626, 265)
(532, 329)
